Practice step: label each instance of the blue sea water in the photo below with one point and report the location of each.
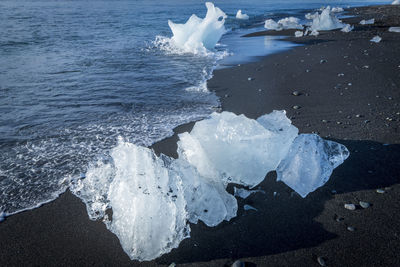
(76, 75)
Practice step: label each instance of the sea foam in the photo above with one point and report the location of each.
(152, 198)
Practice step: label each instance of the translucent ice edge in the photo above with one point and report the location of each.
(153, 199)
(196, 36)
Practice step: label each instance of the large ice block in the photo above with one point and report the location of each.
(238, 149)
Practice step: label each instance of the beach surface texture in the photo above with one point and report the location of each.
(339, 85)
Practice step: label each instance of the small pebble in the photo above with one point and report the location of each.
(324, 121)
(340, 74)
(338, 122)
(323, 61)
(259, 90)
(333, 191)
(321, 261)
(296, 107)
(364, 205)
(307, 70)
(366, 67)
(339, 219)
(172, 264)
(350, 206)
(248, 207)
(296, 93)
(380, 191)
(351, 228)
(358, 116)
(250, 79)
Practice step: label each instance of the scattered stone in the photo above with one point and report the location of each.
(296, 107)
(339, 219)
(350, 206)
(321, 261)
(364, 205)
(380, 191)
(238, 263)
(351, 228)
(296, 93)
(389, 119)
(366, 121)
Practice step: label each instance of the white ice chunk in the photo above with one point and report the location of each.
(221, 145)
(314, 33)
(396, 2)
(283, 24)
(148, 206)
(310, 162)
(240, 15)
(394, 29)
(298, 34)
(376, 39)
(337, 9)
(325, 21)
(244, 193)
(367, 22)
(347, 28)
(197, 35)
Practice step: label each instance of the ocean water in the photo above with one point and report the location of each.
(76, 75)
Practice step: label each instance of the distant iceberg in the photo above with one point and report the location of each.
(283, 24)
(325, 21)
(153, 199)
(198, 35)
(240, 15)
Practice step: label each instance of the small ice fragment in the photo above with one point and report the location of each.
(243, 193)
(380, 191)
(347, 28)
(298, 34)
(396, 2)
(351, 228)
(2, 216)
(337, 9)
(275, 194)
(394, 29)
(367, 22)
(350, 206)
(240, 15)
(365, 67)
(250, 79)
(248, 207)
(340, 75)
(376, 39)
(314, 33)
(310, 162)
(321, 261)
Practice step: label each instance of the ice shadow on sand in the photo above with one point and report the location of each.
(286, 221)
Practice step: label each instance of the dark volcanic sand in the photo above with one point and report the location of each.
(360, 109)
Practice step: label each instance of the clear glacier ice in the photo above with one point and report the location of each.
(325, 21)
(310, 162)
(153, 199)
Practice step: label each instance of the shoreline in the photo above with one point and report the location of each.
(286, 230)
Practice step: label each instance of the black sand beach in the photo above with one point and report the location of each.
(348, 90)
